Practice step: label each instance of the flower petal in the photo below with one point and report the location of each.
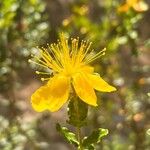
(40, 98)
(84, 90)
(51, 96)
(60, 87)
(99, 84)
(87, 69)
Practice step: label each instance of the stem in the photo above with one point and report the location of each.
(78, 129)
(78, 132)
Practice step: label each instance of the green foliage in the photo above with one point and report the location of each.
(97, 27)
(21, 22)
(94, 138)
(68, 135)
(15, 135)
(77, 112)
(77, 115)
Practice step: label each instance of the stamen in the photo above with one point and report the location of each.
(87, 49)
(56, 53)
(98, 55)
(31, 61)
(42, 62)
(60, 57)
(74, 48)
(50, 62)
(45, 73)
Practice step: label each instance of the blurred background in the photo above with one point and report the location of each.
(25, 24)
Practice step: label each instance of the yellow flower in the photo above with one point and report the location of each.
(71, 70)
(137, 5)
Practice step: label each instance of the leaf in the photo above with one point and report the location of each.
(68, 135)
(90, 147)
(95, 137)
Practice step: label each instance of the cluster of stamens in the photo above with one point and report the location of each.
(62, 58)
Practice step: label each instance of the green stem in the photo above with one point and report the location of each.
(78, 129)
(78, 132)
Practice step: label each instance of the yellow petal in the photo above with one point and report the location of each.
(40, 98)
(84, 90)
(99, 84)
(60, 87)
(87, 69)
(51, 96)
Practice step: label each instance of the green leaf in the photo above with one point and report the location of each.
(90, 147)
(77, 112)
(95, 137)
(68, 135)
